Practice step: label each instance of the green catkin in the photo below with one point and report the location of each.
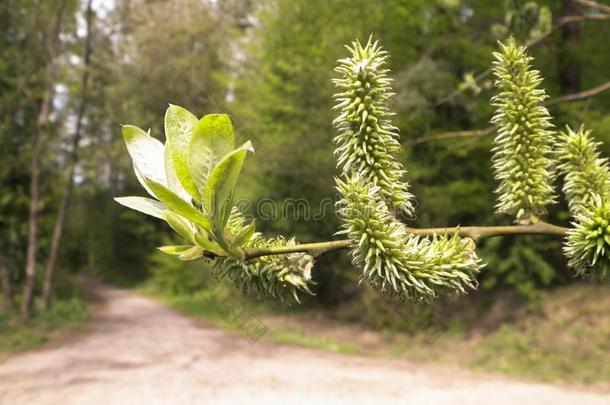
(585, 173)
(587, 190)
(395, 261)
(367, 142)
(522, 147)
(282, 277)
(587, 245)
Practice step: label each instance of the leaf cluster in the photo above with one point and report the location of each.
(192, 180)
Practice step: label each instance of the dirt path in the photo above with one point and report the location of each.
(139, 352)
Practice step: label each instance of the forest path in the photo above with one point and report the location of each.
(137, 351)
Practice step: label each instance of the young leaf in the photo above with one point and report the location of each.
(193, 253)
(221, 183)
(176, 250)
(203, 241)
(145, 205)
(178, 205)
(180, 225)
(142, 181)
(179, 124)
(173, 182)
(212, 139)
(146, 153)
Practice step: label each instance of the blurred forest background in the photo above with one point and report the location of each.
(72, 71)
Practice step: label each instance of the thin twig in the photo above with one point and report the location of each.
(474, 232)
(579, 96)
(593, 4)
(479, 133)
(529, 44)
(474, 133)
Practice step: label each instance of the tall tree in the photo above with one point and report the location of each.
(71, 166)
(51, 45)
(7, 288)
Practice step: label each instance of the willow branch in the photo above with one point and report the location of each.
(581, 95)
(530, 43)
(315, 249)
(481, 232)
(473, 133)
(593, 4)
(476, 233)
(478, 133)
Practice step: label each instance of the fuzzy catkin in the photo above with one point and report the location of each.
(283, 277)
(587, 245)
(587, 190)
(395, 261)
(585, 172)
(522, 146)
(367, 142)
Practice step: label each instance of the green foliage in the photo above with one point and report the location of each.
(145, 205)
(156, 167)
(529, 20)
(367, 142)
(177, 204)
(179, 124)
(212, 169)
(522, 147)
(211, 139)
(520, 264)
(219, 189)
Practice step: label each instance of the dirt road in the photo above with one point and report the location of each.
(139, 352)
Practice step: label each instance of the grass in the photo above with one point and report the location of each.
(313, 341)
(227, 309)
(66, 316)
(566, 339)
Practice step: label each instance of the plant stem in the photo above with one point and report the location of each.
(474, 232)
(481, 232)
(315, 249)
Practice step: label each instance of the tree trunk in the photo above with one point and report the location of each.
(49, 272)
(569, 71)
(30, 267)
(42, 121)
(7, 286)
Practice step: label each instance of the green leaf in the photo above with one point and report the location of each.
(178, 205)
(145, 205)
(180, 225)
(193, 253)
(218, 190)
(173, 182)
(212, 139)
(203, 241)
(176, 250)
(142, 181)
(146, 152)
(179, 124)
